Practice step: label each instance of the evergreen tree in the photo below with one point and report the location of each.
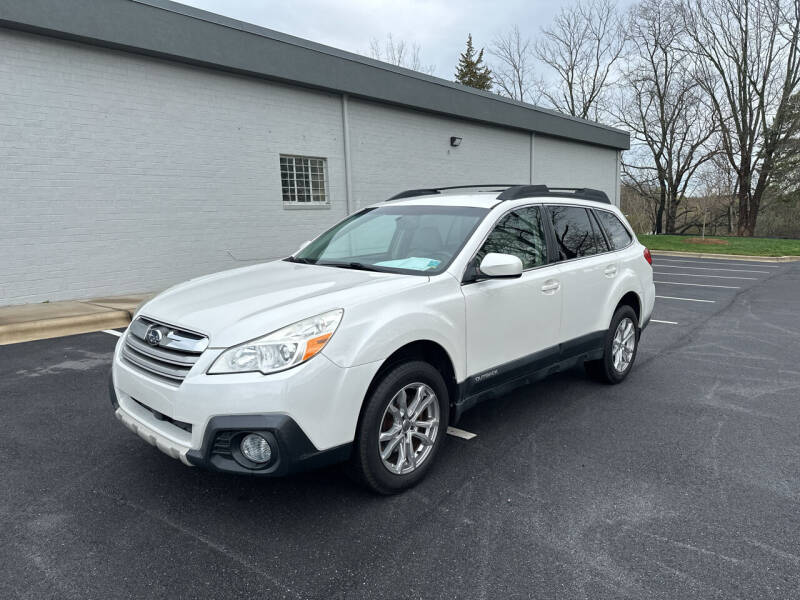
(471, 69)
(786, 178)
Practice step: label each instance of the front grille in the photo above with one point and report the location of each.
(187, 427)
(162, 351)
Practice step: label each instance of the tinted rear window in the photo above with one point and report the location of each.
(575, 236)
(521, 234)
(617, 234)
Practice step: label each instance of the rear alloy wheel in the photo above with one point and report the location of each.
(619, 350)
(623, 345)
(401, 429)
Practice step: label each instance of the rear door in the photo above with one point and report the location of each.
(513, 324)
(587, 274)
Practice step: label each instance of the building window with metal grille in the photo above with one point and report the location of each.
(304, 181)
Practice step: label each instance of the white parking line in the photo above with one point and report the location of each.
(704, 275)
(112, 332)
(724, 264)
(727, 287)
(460, 433)
(687, 299)
(708, 269)
(664, 322)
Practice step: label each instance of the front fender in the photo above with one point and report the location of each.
(376, 330)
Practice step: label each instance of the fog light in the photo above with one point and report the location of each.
(256, 448)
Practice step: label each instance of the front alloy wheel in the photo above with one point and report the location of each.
(409, 428)
(401, 428)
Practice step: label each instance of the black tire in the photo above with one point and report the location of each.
(603, 369)
(366, 464)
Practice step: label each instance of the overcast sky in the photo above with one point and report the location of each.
(440, 27)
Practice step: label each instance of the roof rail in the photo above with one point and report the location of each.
(514, 192)
(523, 191)
(526, 191)
(412, 193)
(439, 190)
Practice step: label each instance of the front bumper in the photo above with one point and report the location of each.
(292, 450)
(308, 414)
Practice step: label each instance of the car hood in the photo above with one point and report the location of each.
(235, 306)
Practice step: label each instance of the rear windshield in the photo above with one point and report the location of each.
(404, 239)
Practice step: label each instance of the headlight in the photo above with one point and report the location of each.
(282, 349)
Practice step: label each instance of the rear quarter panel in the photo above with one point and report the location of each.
(634, 275)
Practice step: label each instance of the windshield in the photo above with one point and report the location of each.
(403, 239)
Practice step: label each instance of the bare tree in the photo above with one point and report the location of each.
(748, 61)
(399, 53)
(717, 184)
(639, 203)
(582, 46)
(512, 71)
(664, 109)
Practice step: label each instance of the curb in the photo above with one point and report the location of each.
(41, 329)
(775, 259)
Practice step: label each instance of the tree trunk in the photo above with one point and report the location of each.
(730, 218)
(744, 180)
(747, 221)
(751, 222)
(662, 201)
(672, 212)
(744, 211)
(758, 193)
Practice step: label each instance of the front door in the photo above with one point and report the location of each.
(513, 324)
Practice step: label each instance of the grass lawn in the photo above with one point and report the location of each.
(722, 245)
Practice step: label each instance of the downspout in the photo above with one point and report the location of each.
(530, 176)
(348, 181)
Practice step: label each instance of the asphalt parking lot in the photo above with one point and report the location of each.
(683, 482)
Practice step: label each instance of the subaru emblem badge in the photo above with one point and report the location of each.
(153, 336)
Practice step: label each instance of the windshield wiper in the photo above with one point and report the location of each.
(353, 265)
(302, 261)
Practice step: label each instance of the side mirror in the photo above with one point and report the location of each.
(495, 264)
(302, 246)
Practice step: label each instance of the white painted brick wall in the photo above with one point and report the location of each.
(395, 149)
(562, 163)
(121, 173)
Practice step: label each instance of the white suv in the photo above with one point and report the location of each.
(367, 342)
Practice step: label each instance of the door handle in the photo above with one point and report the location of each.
(551, 286)
(611, 270)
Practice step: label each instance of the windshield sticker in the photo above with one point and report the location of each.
(414, 263)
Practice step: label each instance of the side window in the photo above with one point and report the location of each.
(519, 233)
(599, 239)
(574, 233)
(617, 233)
